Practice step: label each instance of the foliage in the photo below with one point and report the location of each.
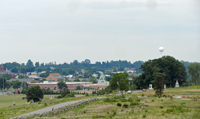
(158, 81)
(16, 84)
(70, 95)
(103, 91)
(86, 94)
(24, 87)
(119, 81)
(93, 80)
(76, 80)
(78, 88)
(7, 84)
(133, 87)
(34, 93)
(64, 92)
(194, 71)
(62, 85)
(177, 109)
(172, 68)
(125, 105)
(22, 76)
(119, 104)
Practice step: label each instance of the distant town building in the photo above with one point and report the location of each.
(3, 71)
(55, 77)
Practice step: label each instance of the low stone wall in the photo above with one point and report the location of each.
(62, 109)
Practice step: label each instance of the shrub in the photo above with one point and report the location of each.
(130, 99)
(177, 109)
(144, 116)
(125, 105)
(152, 100)
(137, 100)
(161, 100)
(45, 104)
(113, 100)
(86, 94)
(123, 100)
(114, 112)
(59, 96)
(71, 95)
(134, 104)
(119, 104)
(107, 100)
(123, 96)
(161, 107)
(142, 95)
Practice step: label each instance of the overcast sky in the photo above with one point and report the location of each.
(99, 30)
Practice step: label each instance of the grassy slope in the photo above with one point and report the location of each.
(150, 107)
(23, 107)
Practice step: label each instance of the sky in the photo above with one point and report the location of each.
(99, 30)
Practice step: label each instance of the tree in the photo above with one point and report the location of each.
(76, 80)
(14, 70)
(133, 87)
(194, 71)
(64, 92)
(158, 81)
(172, 68)
(37, 64)
(61, 85)
(29, 63)
(24, 87)
(16, 84)
(119, 81)
(93, 80)
(34, 93)
(78, 88)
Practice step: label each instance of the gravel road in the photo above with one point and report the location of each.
(47, 109)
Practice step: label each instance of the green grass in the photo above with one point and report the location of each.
(22, 106)
(158, 109)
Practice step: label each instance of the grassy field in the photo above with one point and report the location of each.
(8, 110)
(147, 106)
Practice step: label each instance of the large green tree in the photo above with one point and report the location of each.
(194, 71)
(62, 85)
(172, 68)
(34, 93)
(119, 81)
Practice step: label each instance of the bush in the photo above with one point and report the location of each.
(123, 96)
(86, 94)
(59, 96)
(161, 107)
(142, 95)
(107, 100)
(123, 100)
(125, 105)
(119, 104)
(130, 99)
(144, 116)
(71, 95)
(45, 104)
(137, 100)
(134, 104)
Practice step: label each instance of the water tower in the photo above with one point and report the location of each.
(161, 49)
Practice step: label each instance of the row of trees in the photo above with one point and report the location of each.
(70, 68)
